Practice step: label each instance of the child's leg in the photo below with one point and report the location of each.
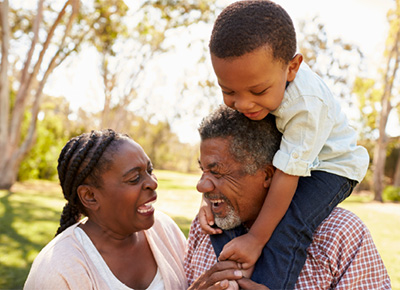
(219, 240)
(285, 253)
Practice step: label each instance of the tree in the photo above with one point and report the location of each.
(53, 131)
(52, 33)
(334, 60)
(392, 55)
(124, 58)
(35, 71)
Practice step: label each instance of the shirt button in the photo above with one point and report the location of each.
(295, 155)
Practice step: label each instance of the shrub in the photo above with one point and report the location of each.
(391, 193)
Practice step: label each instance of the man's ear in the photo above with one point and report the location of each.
(269, 173)
(294, 66)
(87, 196)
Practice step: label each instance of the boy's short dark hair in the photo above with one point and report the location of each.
(245, 26)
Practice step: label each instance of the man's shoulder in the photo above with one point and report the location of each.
(342, 220)
(341, 231)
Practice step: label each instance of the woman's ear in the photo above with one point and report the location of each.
(294, 66)
(87, 197)
(269, 173)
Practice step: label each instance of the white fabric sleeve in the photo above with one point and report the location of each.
(306, 124)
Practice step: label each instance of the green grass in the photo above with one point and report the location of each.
(29, 218)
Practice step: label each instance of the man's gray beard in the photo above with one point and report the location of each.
(230, 221)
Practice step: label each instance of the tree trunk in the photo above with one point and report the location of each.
(396, 181)
(380, 149)
(379, 166)
(4, 84)
(13, 147)
(9, 172)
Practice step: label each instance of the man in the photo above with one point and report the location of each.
(236, 159)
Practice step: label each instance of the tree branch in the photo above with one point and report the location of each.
(55, 61)
(23, 92)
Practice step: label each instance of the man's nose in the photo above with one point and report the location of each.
(204, 185)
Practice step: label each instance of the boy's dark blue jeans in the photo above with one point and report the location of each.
(284, 255)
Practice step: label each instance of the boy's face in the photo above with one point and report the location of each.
(254, 84)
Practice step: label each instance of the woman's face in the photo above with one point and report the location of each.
(128, 192)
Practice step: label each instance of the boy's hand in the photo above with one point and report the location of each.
(206, 219)
(245, 249)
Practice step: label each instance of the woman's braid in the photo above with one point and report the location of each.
(76, 162)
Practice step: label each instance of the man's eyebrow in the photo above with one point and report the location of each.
(210, 165)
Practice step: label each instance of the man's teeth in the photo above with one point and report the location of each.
(147, 207)
(216, 202)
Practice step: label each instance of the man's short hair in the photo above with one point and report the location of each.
(245, 26)
(252, 143)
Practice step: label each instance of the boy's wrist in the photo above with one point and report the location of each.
(257, 240)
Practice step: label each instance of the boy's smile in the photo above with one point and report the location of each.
(254, 83)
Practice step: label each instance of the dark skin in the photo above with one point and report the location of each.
(116, 222)
(216, 278)
(118, 257)
(119, 212)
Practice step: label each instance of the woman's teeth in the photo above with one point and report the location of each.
(147, 207)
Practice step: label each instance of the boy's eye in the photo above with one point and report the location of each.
(259, 93)
(228, 93)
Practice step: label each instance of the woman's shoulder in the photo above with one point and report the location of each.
(57, 261)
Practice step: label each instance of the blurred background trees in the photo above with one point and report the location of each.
(40, 40)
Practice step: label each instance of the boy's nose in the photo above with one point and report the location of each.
(242, 104)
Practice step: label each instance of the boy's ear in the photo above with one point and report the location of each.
(269, 173)
(87, 196)
(294, 66)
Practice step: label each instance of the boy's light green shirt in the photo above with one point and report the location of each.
(316, 133)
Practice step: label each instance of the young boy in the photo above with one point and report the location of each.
(253, 53)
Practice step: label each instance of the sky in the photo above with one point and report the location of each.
(361, 22)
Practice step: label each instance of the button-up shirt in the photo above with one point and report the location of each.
(316, 132)
(341, 256)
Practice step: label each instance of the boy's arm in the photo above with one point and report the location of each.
(277, 201)
(246, 249)
(206, 218)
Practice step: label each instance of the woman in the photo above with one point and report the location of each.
(122, 243)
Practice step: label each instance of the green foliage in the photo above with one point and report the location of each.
(368, 102)
(336, 61)
(391, 193)
(41, 162)
(106, 23)
(53, 130)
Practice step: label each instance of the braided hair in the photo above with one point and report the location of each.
(83, 159)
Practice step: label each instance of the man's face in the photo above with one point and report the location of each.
(235, 196)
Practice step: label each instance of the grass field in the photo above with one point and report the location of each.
(29, 218)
